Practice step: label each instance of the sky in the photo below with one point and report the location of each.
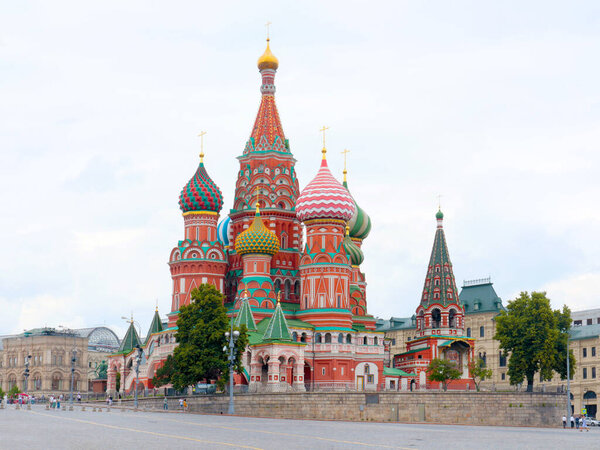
(495, 106)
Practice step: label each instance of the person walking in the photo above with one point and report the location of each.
(166, 404)
(180, 403)
(572, 421)
(584, 424)
(564, 421)
(185, 404)
(577, 422)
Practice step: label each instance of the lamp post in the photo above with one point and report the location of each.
(138, 360)
(73, 360)
(26, 373)
(231, 337)
(568, 382)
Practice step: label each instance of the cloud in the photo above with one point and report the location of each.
(578, 292)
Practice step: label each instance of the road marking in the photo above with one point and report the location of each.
(279, 433)
(153, 433)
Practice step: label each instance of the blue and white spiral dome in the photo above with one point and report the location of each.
(224, 231)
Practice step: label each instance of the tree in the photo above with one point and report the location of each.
(535, 336)
(1, 393)
(14, 391)
(443, 370)
(479, 371)
(165, 372)
(118, 382)
(200, 334)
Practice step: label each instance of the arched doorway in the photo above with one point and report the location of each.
(307, 376)
(590, 403)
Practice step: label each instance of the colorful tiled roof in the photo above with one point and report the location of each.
(201, 193)
(360, 223)
(224, 231)
(277, 329)
(325, 198)
(257, 238)
(352, 250)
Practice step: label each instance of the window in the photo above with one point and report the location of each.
(370, 379)
(348, 339)
(577, 323)
(503, 376)
(375, 341)
(294, 336)
(365, 342)
(593, 351)
(323, 370)
(584, 352)
(481, 331)
(584, 373)
(589, 321)
(328, 338)
(468, 332)
(502, 359)
(593, 372)
(318, 338)
(393, 341)
(340, 338)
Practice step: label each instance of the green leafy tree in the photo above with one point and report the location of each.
(200, 334)
(535, 336)
(165, 372)
(14, 391)
(118, 382)
(443, 371)
(1, 393)
(479, 372)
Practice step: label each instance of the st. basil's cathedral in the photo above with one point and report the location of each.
(288, 266)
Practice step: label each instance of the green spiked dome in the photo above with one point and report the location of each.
(257, 238)
(360, 223)
(352, 250)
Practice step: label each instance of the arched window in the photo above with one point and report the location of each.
(375, 341)
(318, 338)
(367, 369)
(340, 338)
(303, 337)
(294, 336)
(297, 289)
(468, 332)
(365, 341)
(328, 338)
(451, 317)
(277, 285)
(288, 286)
(481, 331)
(589, 395)
(348, 338)
(436, 318)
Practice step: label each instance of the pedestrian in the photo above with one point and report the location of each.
(185, 405)
(572, 421)
(180, 403)
(166, 404)
(564, 421)
(58, 401)
(78, 397)
(584, 424)
(577, 422)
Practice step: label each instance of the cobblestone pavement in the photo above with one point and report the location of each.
(39, 428)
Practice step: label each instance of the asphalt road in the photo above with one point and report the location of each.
(38, 428)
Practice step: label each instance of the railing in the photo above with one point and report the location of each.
(467, 283)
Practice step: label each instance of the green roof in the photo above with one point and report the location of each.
(277, 328)
(479, 298)
(396, 323)
(245, 317)
(416, 350)
(584, 332)
(130, 341)
(156, 325)
(390, 371)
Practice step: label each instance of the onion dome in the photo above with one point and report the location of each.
(439, 215)
(324, 198)
(352, 250)
(360, 223)
(201, 193)
(257, 238)
(224, 231)
(268, 59)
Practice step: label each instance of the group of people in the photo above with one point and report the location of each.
(55, 401)
(577, 422)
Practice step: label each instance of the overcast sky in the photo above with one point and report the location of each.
(493, 105)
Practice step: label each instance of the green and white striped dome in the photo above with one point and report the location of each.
(352, 250)
(360, 223)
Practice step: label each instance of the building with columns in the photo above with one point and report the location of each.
(288, 266)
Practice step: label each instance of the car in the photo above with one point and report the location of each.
(592, 422)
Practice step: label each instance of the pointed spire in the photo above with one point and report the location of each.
(155, 326)
(245, 316)
(440, 285)
(131, 339)
(277, 328)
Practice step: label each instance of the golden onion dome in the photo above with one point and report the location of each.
(257, 238)
(268, 59)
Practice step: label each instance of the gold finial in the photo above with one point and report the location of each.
(201, 135)
(347, 230)
(440, 202)
(278, 297)
(257, 204)
(322, 130)
(345, 152)
(131, 321)
(268, 24)
(156, 305)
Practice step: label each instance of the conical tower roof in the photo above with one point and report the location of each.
(440, 285)
(245, 316)
(155, 326)
(277, 328)
(130, 341)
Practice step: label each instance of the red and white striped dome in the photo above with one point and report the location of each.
(324, 198)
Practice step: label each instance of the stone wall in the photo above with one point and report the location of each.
(474, 408)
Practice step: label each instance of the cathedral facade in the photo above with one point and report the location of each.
(287, 263)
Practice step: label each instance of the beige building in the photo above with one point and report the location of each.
(50, 353)
(482, 305)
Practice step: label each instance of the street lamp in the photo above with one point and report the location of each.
(231, 337)
(138, 361)
(73, 360)
(26, 374)
(568, 382)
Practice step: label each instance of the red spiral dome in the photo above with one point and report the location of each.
(201, 193)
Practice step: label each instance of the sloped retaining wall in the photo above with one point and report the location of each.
(474, 408)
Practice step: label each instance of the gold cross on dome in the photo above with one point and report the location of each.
(201, 135)
(268, 24)
(257, 193)
(323, 130)
(439, 201)
(345, 152)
